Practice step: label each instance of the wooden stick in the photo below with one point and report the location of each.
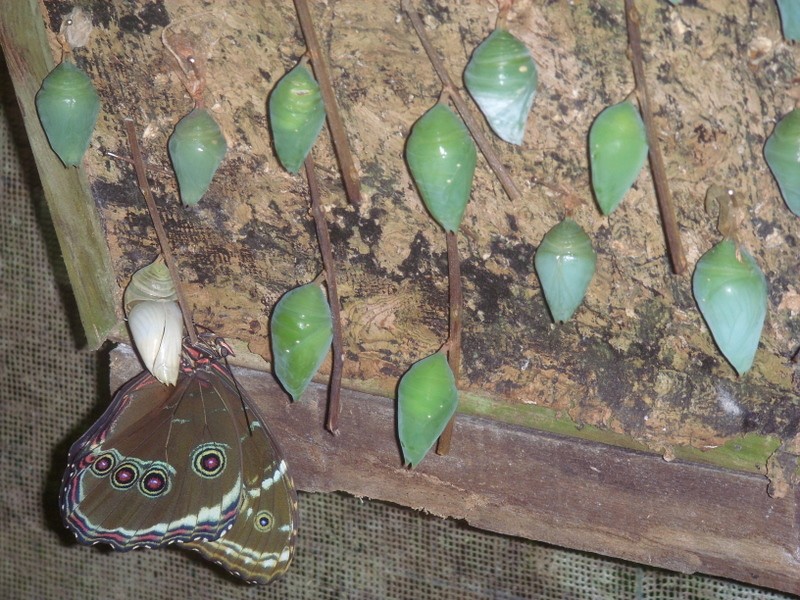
(663, 194)
(481, 140)
(352, 183)
(161, 234)
(334, 404)
(454, 337)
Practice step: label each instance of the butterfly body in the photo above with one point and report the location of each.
(187, 464)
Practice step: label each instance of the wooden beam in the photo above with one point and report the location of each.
(577, 494)
(75, 217)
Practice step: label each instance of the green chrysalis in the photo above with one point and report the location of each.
(790, 18)
(441, 156)
(565, 263)
(782, 152)
(68, 106)
(501, 77)
(196, 149)
(302, 331)
(296, 115)
(617, 151)
(731, 293)
(426, 401)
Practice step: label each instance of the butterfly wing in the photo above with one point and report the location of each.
(260, 545)
(162, 464)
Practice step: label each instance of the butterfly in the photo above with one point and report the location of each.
(192, 464)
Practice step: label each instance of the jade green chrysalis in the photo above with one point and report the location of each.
(782, 152)
(501, 77)
(68, 106)
(790, 18)
(196, 149)
(302, 331)
(565, 263)
(731, 292)
(426, 401)
(617, 151)
(296, 115)
(441, 156)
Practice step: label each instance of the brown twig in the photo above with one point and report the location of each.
(454, 337)
(161, 234)
(334, 404)
(352, 183)
(463, 109)
(663, 194)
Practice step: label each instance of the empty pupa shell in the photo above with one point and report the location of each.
(426, 401)
(157, 332)
(782, 152)
(565, 263)
(617, 151)
(150, 283)
(196, 149)
(790, 18)
(732, 297)
(296, 115)
(302, 331)
(68, 106)
(155, 320)
(501, 77)
(441, 156)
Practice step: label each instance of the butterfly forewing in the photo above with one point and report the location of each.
(162, 464)
(260, 545)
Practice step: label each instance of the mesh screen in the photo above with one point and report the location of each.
(51, 391)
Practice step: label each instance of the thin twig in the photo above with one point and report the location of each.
(454, 337)
(663, 194)
(161, 234)
(463, 109)
(352, 183)
(334, 404)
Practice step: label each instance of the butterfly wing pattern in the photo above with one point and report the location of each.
(191, 464)
(260, 545)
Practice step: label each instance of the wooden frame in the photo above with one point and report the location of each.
(518, 481)
(75, 217)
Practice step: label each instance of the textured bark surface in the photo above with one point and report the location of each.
(635, 361)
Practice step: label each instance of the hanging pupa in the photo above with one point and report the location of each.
(790, 18)
(68, 105)
(441, 156)
(302, 331)
(501, 77)
(617, 151)
(296, 116)
(782, 152)
(565, 263)
(426, 401)
(731, 292)
(155, 320)
(196, 149)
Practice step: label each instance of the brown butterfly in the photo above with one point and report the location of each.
(192, 464)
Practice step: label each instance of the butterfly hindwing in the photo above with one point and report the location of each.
(260, 545)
